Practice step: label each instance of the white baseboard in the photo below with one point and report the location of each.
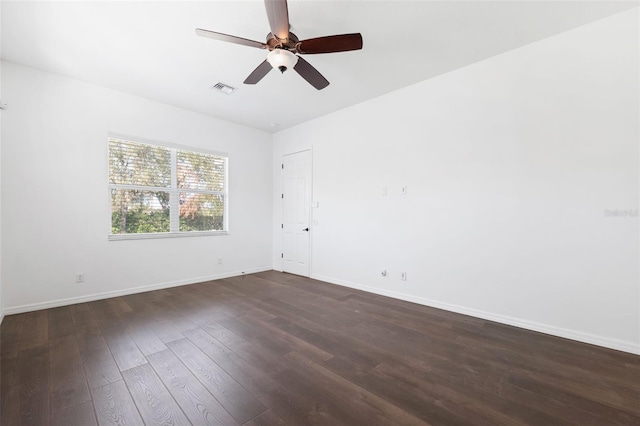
(606, 342)
(106, 295)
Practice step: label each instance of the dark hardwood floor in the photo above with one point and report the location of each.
(276, 349)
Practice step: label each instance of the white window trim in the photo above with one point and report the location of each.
(174, 217)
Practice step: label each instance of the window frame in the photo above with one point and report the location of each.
(173, 191)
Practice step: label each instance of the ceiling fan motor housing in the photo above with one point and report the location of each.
(290, 43)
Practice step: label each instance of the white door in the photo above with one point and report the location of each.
(296, 212)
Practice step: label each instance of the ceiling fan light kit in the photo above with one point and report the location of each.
(285, 48)
(282, 59)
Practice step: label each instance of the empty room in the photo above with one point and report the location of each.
(305, 212)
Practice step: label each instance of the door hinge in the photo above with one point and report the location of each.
(282, 255)
(282, 225)
(282, 196)
(283, 167)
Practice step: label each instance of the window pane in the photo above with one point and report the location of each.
(201, 212)
(132, 163)
(200, 171)
(137, 212)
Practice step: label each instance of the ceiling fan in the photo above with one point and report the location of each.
(285, 48)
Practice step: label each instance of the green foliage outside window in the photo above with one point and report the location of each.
(142, 189)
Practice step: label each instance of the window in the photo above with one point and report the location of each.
(160, 191)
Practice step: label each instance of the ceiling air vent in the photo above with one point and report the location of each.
(224, 88)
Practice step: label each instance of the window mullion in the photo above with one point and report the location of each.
(175, 196)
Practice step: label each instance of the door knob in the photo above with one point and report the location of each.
(306, 229)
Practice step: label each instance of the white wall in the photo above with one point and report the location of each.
(55, 203)
(1, 310)
(510, 164)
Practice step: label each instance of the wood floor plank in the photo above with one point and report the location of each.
(33, 371)
(598, 411)
(364, 406)
(314, 287)
(100, 368)
(68, 385)
(250, 376)
(114, 406)
(235, 307)
(123, 348)
(140, 302)
(79, 415)
(221, 334)
(10, 335)
(241, 404)
(391, 337)
(268, 418)
(599, 392)
(164, 329)
(589, 384)
(295, 408)
(145, 339)
(407, 319)
(555, 409)
(105, 318)
(154, 402)
(9, 392)
(180, 318)
(197, 403)
(257, 335)
(333, 342)
(60, 322)
(90, 342)
(10, 349)
(83, 319)
(550, 346)
(327, 310)
(118, 305)
(35, 330)
(338, 323)
(263, 331)
(438, 403)
(252, 351)
(11, 326)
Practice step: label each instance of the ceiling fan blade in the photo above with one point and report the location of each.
(230, 39)
(278, 15)
(257, 74)
(309, 73)
(330, 44)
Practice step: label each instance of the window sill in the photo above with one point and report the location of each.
(119, 237)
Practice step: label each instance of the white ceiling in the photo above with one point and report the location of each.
(150, 48)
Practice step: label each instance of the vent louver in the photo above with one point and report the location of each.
(224, 88)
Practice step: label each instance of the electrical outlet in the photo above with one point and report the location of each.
(219, 261)
(404, 190)
(79, 277)
(403, 276)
